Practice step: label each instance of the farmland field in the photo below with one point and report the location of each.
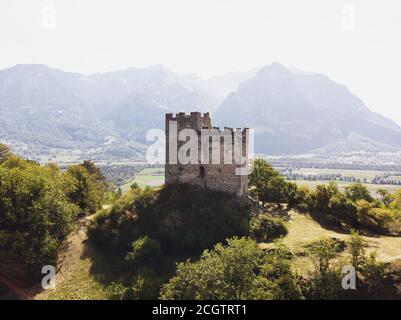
(362, 175)
(153, 177)
(358, 174)
(371, 187)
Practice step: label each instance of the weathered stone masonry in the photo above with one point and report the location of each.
(214, 174)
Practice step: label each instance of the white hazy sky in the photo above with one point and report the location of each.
(357, 43)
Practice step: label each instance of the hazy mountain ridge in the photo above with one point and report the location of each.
(300, 112)
(45, 111)
(48, 111)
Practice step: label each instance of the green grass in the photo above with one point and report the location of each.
(303, 230)
(152, 177)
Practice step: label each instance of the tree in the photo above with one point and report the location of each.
(4, 153)
(264, 228)
(119, 192)
(85, 186)
(267, 183)
(325, 281)
(385, 197)
(323, 195)
(322, 252)
(356, 246)
(240, 270)
(342, 209)
(35, 215)
(304, 198)
(134, 186)
(292, 195)
(358, 191)
(146, 252)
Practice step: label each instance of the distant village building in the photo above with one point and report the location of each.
(210, 166)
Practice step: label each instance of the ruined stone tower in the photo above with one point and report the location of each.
(212, 162)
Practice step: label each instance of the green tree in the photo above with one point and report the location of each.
(35, 214)
(146, 252)
(267, 183)
(356, 246)
(341, 209)
(325, 281)
(134, 186)
(292, 195)
(385, 197)
(240, 270)
(4, 153)
(323, 195)
(264, 228)
(358, 191)
(85, 186)
(322, 252)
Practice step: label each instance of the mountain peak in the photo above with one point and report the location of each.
(294, 113)
(274, 70)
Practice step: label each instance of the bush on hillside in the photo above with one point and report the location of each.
(264, 228)
(146, 252)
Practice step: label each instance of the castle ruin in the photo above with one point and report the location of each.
(213, 163)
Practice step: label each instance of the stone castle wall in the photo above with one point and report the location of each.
(215, 174)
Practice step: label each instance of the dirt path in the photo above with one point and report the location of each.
(73, 278)
(73, 250)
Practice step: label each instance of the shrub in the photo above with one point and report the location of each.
(325, 281)
(145, 285)
(117, 291)
(358, 191)
(322, 252)
(356, 246)
(267, 183)
(146, 252)
(304, 198)
(385, 197)
(85, 186)
(5, 153)
(341, 210)
(264, 228)
(115, 231)
(379, 219)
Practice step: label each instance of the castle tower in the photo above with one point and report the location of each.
(198, 154)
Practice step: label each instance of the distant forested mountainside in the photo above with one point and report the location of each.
(48, 111)
(47, 114)
(294, 112)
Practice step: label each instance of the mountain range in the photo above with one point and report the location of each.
(46, 113)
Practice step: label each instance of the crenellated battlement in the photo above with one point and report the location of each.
(194, 120)
(214, 165)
